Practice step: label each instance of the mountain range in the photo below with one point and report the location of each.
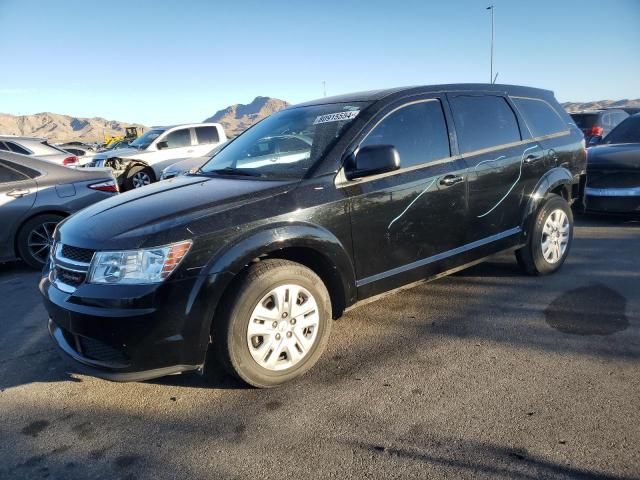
(235, 119)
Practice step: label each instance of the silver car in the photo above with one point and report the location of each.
(37, 147)
(35, 195)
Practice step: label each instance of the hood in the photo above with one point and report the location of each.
(167, 211)
(118, 152)
(187, 164)
(616, 156)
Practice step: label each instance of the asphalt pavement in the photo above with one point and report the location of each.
(484, 374)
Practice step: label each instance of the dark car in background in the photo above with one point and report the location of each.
(35, 195)
(596, 124)
(613, 171)
(249, 258)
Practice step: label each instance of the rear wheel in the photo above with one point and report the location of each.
(276, 326)
(35, 238)
(550, 238)
(139, 177)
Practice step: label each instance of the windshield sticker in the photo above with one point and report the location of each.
(336, 117)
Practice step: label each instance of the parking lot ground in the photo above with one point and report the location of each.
(485, 374)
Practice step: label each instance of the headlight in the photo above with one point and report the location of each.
(148, 265)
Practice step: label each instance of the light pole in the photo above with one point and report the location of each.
(490, 7)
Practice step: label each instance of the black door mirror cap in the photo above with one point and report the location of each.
(373, 160)
(162, 145)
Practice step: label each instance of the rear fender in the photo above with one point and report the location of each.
(551, 180)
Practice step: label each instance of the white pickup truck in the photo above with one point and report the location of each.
(143, 161)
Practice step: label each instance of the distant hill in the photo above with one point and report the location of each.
(576, 106)
(61, 128)
(237, 118)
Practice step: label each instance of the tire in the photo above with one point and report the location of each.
(550, 238)
(138, 177)
(34, 239)
(274, 358)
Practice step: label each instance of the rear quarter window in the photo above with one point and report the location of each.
(484, 122)
(540, 117)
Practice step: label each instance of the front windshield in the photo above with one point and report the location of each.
(286, 144)
(144, 140)
(628, 131)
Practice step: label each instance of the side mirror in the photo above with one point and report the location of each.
(161, 145)
(372, 160)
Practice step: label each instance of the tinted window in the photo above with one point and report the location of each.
(29, 172)
(179, 138)
(418, 132)
(483, 122)
(541, 118)
(14, 147)
(626, 132)
(4, 147)
(585, 121)
(207, 135)
(7, 175)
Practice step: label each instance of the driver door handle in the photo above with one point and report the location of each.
(449, 180)
(18, 192)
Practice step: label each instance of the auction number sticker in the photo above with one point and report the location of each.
(336, 117)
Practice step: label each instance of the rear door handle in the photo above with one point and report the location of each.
(532, 159)
(19, 192)
(449, 180)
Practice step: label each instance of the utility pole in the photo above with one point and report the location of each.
(490, 7)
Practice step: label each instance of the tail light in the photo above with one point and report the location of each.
(595, 131)
(70, 160)
(108, 186)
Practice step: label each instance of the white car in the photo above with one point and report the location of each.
(143, 161)
(37, 147)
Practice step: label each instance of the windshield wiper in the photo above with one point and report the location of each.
(235, 171)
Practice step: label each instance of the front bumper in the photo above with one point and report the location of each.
(613, 200)
(130, 333)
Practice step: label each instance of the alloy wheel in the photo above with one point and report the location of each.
(140, 179)
(555, 236)
(283, 327)
(40, 240)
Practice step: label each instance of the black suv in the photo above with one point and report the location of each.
(596, 124)
(248, 259)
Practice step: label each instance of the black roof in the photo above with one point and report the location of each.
(374, 95)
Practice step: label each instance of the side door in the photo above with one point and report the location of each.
(206, 138)
(17, 196)
(499, 159)
(406, 224)
(172, 147)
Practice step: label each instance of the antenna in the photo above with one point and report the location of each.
(491, 7)
(324, 88)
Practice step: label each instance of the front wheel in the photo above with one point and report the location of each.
(550, 238)
(276, 326)
(138, 177)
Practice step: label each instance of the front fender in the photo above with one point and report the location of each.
(216, 276)
(551, 180)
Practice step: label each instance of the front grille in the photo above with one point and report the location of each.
(69, 277)
(77, 254)
(97, 350)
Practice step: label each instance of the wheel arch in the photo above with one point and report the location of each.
(558, 180)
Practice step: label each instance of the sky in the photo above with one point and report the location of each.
(163, 62)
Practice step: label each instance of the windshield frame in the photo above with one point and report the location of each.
(248, 173)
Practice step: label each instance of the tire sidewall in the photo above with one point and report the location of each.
(541, 264)
(250, 294)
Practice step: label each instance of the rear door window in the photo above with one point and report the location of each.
(179, 138)
(3, 147)
(8, 175)
(26, 171)
(14, 147)
(483, 122)
(418, 131)
(207, 135)
(540, 117)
